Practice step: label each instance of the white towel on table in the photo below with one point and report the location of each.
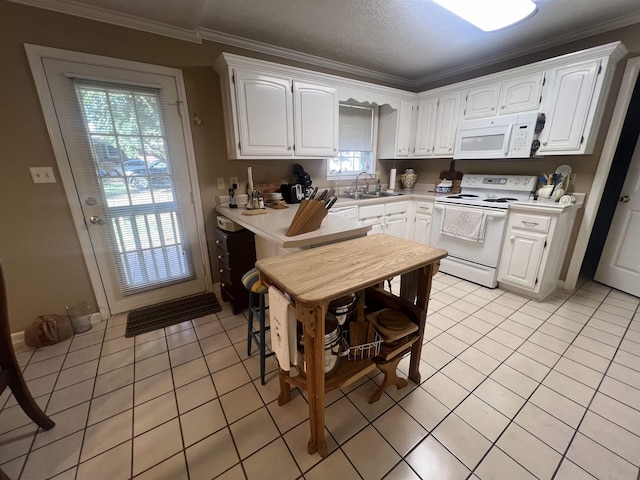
(463, 223)
(283, 329)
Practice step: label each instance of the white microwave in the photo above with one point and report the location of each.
(509, 136)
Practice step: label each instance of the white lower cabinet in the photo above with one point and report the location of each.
(534, 249)
(422, 224)
(391, 218)
(372, 215)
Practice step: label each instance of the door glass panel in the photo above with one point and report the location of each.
(125, 129)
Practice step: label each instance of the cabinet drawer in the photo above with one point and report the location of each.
(396, 207)
(531, 222)
(425, 208)
(223, 258)
(370, 211)
(221, 240)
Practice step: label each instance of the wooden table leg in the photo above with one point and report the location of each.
(389, 369)
(285, 388)
(313, 322)
(423, 290)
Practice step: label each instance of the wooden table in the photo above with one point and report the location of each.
(314, 277)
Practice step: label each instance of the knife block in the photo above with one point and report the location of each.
(308, 217)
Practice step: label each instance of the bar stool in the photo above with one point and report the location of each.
(251, 281)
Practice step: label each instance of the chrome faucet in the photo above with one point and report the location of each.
(367, 184)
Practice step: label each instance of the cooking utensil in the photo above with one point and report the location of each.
(330, 194)
(313, 194)
(451, 174)
(330, 203)
(565, 171)
(322, 195)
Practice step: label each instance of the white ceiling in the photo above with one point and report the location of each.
(405, 42)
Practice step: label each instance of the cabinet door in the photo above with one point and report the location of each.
(521, 94)
(446, 124)
(396, 225)
(422, 230)
(481, 101)
(425, 127)
(405, 128)
(568, 106)
(265, 114)
(315, 113)
(521, 259)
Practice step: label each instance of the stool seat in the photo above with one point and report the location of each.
(251, 281)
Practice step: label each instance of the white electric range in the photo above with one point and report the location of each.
(470, 225)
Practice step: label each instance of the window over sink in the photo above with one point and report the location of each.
(358, 127)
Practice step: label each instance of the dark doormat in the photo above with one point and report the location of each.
(143, 320)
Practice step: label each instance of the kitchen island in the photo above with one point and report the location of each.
(314, 277)
(272, 226)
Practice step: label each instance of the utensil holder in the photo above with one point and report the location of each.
(308, 217)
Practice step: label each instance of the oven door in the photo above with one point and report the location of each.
(484, 253)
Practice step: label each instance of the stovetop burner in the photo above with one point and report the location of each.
(501, 200)
(463, 195)
(491, 191)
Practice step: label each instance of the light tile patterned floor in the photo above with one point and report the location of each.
(512, 389)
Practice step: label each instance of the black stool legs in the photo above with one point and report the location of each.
(258, 336)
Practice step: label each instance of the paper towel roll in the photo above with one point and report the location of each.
(392, 180)
(249, 182)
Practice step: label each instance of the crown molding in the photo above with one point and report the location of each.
(534, 47)
(255, 46)
(76, 9)
(199, 34)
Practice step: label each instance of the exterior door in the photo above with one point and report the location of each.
(124, 141)
(619, 265)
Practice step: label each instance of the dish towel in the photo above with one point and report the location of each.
(463, 223)
(283, 329)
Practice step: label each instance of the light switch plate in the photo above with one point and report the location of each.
(42, 175)
(221, 185)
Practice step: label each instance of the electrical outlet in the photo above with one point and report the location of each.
(572, 179)
(233, 181)
(42, 175)
(221, 185)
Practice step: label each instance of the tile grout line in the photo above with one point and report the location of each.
(587, 409)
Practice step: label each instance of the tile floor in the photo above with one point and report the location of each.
(512, 389)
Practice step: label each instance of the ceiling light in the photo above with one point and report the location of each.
(489, 15)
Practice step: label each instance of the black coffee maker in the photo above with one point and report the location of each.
(296, 192)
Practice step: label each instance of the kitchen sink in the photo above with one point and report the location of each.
(366, 195)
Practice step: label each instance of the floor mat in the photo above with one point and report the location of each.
(166, 314)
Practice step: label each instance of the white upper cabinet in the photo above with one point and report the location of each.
(482, 101)
(569, 108)
(271, 114)
(513, 95)
(315, 116)
(437, 121)
(426, 126)
(447, 117)
(264, 114)
(396, 130)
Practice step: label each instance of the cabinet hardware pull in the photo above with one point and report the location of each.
(530, 223)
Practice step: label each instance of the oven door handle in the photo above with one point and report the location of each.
(488, 212)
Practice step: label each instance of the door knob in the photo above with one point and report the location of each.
(96, 220)
(624, 198)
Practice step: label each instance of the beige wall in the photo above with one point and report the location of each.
(39, 248)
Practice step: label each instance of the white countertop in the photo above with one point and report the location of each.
(273, 227)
